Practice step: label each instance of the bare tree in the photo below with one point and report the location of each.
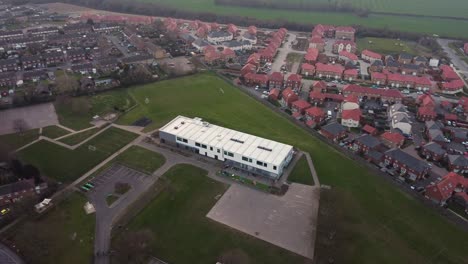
(133, 246)
(19, 125)
(235, 256)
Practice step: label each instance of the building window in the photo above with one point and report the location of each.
(211, 148)
(179, 139)
(218, 151)
(197, 144)
(274, 167)
(185, 140)
(230, 154)
(259, 163)
(204, 146)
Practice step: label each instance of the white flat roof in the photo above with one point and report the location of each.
(240, 143)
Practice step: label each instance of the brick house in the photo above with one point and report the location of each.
(307, 69)
(433, 151)
(329, 71)
(266, 55)
(300, 106)
(344, 45)
(378, 78)
(426, 113)
(10, 65)
(319, 86)
(411, 69)
(252, 79)
(212, 57)
(350, 75)
(316, 114)
(348, 57)
(448, 74)
(452, 87)
(449, 185)
(406, 164)
(311, 55)
(334, 131)
(8, 79)
(294, 81)
(288, 97)
(276, 80)
(351, 118)
(390, 95)
(318, 43)
(457, 163)
(228, 54)
(53, 58)
(248, 68)
(32, 62)
(366, 143)
(345, 33)
(405, 58)
(231, 28)
(317, 98)
(252, 30)
(274, 94)
(369, 130)
(76, 55)
(392, 139)
(370, 56)
(13, 192)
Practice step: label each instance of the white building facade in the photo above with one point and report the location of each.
(248, 152)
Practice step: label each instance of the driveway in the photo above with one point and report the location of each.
(460, 64)
(35, 116)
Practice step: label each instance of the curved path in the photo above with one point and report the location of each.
(7, 256)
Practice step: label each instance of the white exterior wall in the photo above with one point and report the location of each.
(218, 138)
(349, 123)
(219, 39)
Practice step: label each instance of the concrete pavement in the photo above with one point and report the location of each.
(7, 256)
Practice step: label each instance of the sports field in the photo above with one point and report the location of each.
(386, 226)
(428, 25)
(184, 234)
(67, 165)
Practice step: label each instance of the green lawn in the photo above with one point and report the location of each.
(294, 57)
(141, 159)
(17, 140)
(177, 217)
(379, 208)
(53, 132)
(110, 199)
(67, 165)
(386, 46)
(77, 138)
(428, 25)
(63, 235)
(301, 172)
(76, 113)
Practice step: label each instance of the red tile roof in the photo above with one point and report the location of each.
(450, 117)
(301, 104)
(378, 75)
(448, 73)
(369, 129)
(276, 77)
(353, 114)
(252, 30)
(348, 55)
(229, 52)
(371, 54)
(248, 68)
(274, 93)
(426, 111)
(352, 72)
(351, 99)
(288, 95)
(335, 68)
(353, 88)
(317, 40)
(345, 42)
(443, 190)
(256, 77)
(295, 78)
(316, 95)
(315, 111)
(394, 137)
(453, 85)
(307, 67)
(345, 29)
(320, 84)
(312, 54)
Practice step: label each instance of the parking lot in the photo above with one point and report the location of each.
(287, 221)
(35, 116)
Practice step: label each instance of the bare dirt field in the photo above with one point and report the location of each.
(288, 221)
(35, 116)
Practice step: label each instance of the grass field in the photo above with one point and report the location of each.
(141, 159)
(377, 209)
(16, 140)
(385, 46)
(77, 138)
(185, 235)
(53, 132)
(77, 113)
(301, 172)
(443, 27)
(63, 235)
(67, 165)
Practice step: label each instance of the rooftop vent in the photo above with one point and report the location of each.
(176, 127)
(264, 148)
(237, 140)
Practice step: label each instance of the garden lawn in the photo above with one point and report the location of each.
(386, 46)
(53, 132)
(184, 234)
(78, 112)
(17, 140)
(78, 137)
(67, 165)
(63, 235)
(301, 172)
(141, 159)
(380, 209)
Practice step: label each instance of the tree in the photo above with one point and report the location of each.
(133, 246)
(66, 84)
(19, 125)
(234, 256)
